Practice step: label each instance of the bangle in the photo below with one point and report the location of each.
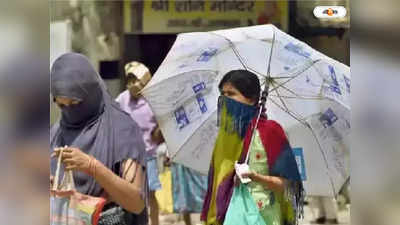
(92, 166)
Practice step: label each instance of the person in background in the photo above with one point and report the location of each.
(188, 186)
(327, 210)
(189, 189)
(105, 148)
(132, 102)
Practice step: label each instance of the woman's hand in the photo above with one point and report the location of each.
(51, 181)
(236, 180)
(74, 159)
(156, 135)
(167, 161)
(253, 176)
(271, 182)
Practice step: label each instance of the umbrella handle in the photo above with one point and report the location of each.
(264, 93)
(264, 96)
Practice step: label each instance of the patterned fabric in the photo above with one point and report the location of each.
(242, 208)
(72, 207)
(272, 155)
(68, 206)
(113, 216)
(189, 189)
(153, 175)
(233, 119)
(266, 200)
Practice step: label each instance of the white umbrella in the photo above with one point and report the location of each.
(308, 96)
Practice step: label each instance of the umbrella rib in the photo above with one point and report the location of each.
(288, 112)
(284, 104)
(282, 77)
(298, 74)
(283, 83)
(233, 48)
(317, 97)
(301, 96)
(279, 97)
(270, 55)
(286, 107)
(287, 89)
(256, 72)
(297, 96)
(240, 58)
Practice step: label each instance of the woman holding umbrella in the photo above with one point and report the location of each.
(275, 186)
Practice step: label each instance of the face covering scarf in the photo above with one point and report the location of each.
(233, 120)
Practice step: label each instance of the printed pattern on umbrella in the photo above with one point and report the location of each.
(306, 80)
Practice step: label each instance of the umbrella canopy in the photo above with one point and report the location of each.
(308, 96)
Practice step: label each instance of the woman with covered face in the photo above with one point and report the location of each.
(105, 148)
(275, 186)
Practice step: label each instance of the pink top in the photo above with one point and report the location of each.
(141, 113)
